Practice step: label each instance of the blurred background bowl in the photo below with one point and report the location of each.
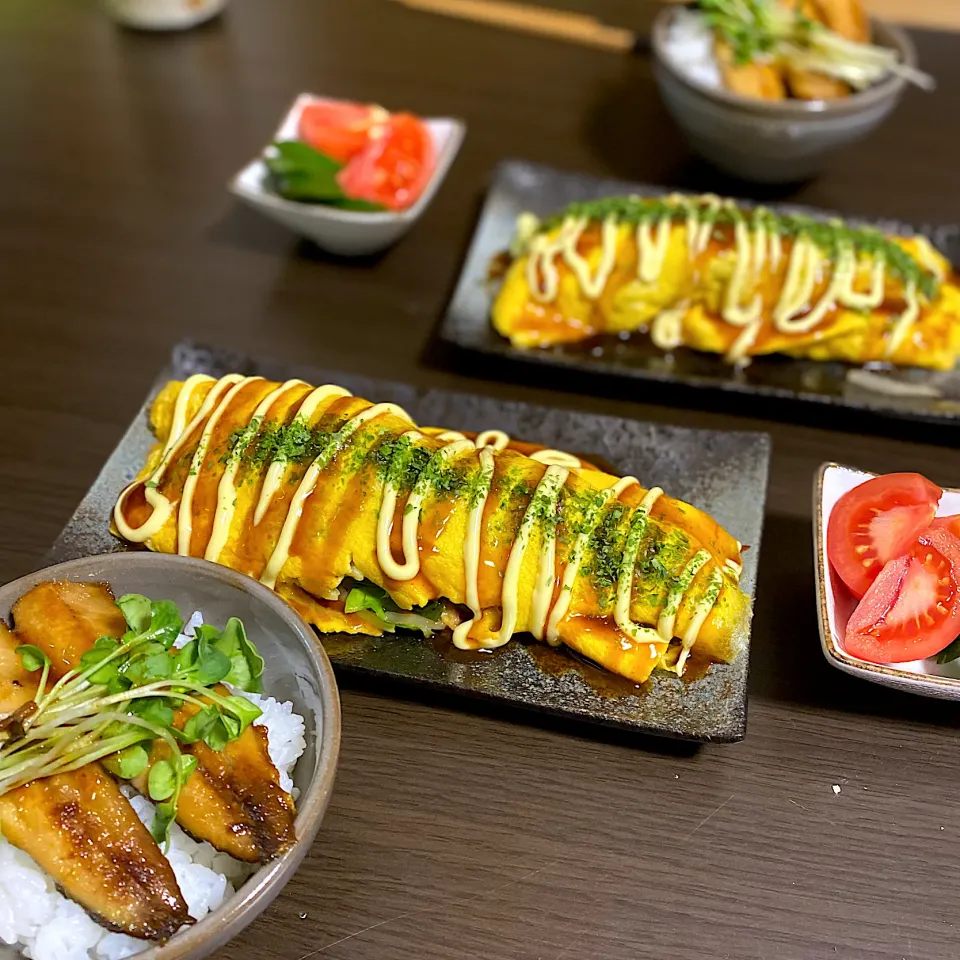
(163, 14)
(777, 141)
(295, 669)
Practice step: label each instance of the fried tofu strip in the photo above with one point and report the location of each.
(233, 800)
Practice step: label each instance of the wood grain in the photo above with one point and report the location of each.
(454, 831)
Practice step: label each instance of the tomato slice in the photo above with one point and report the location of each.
(877, 521)
(948, 523)
(912, 609)
(394, 167)
(340, 130)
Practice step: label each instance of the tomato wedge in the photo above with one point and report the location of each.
(877, 521)
(948, 523)
(912, 609)
(340, 130)
(394, 167)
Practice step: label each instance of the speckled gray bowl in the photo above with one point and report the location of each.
(773, 141)
(296, 669)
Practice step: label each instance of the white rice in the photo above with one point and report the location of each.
(49, 926)
(689, 46)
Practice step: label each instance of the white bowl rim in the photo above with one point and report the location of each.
(321, 211)
(923, 684)
(229, 919)
(786, 109)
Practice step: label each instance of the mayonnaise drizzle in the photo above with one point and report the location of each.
(185, 515)
(471, 547)
(414, 508)
(628, 564)
(652, 253)
(543, 502)
(160, 505)
(589, 524)
(702, 610)
(666, 330)
(276, 470)
(905, 321)
(227, 488)
(309, 482)
(546, 613)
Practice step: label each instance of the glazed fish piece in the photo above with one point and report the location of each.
(64, 619)
(81, 829)
(311, 490)
(233, 799)
(17, 685)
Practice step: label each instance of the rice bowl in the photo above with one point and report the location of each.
(52, 927)
(767, 141)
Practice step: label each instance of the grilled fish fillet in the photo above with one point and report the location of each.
(700, 272)
(17, 685)
(304, 487)
(81, 829)
(65, 619)
(233, 799)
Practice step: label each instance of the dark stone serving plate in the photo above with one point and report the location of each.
(722, 473)
(908, 393)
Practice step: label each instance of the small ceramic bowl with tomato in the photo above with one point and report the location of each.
(887, 552)
(351, 177)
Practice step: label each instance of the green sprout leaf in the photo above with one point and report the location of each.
(136, 611)
(221, 732)
(165, 622)
(162, 820)
(188, 763)
(128, 763)
(100, 651)
(246, 664)
(186, 658)
(154, 710)
(162, 780)
(243, 710)
(212, 666)
(32, 658)
(199, 724)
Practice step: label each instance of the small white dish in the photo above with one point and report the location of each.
(347, 232)
(163, 14)
(835, 604)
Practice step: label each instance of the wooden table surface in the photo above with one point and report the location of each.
(455, 832)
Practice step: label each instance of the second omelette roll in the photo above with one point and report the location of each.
(314, 491)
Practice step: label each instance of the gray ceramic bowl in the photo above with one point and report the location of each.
(296, 669)
(780, 141)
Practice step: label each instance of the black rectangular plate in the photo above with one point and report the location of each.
(914, 394)
(724, 474)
